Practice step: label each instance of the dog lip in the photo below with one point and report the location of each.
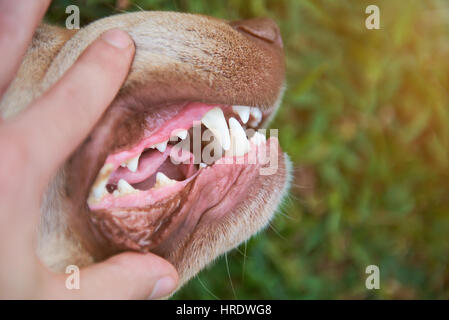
(136, 229)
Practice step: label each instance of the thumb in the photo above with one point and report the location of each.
(124, 276)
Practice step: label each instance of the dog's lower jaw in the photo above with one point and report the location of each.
(238, 226)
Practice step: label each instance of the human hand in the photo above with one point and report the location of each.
(37, 141)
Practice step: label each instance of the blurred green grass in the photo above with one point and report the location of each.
(365, 121)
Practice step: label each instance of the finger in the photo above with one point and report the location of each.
(18, 20)
(125, 276)
(58, 121)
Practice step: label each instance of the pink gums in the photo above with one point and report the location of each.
(183, 120)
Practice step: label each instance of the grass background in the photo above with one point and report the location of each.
(365, 121)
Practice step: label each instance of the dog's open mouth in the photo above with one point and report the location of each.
(195, 161)
(179, 156)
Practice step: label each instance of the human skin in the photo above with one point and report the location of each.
(37, 141)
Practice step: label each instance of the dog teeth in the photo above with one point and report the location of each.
(161, 146)
(257, 117)
(243, 112)
(124, 187)
(162, 180)
(99, 191)
(181, 134)
(239, 143)
(215, 121)
(258, 138)
(99, 187)
(230, 135)
(132, 164)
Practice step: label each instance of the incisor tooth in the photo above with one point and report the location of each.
(239, 143)
(124, 187)
(258, 138)
(162, 180)
(243, 112)
(161, 146)
(257, 115)
(215, 121)
(133, 163)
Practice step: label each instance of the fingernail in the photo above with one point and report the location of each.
(117, 38)
(163, 287)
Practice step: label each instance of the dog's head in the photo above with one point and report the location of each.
(113, 194)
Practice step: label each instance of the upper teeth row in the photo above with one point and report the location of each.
(234, 140)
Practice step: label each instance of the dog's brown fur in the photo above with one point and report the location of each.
(179, 57)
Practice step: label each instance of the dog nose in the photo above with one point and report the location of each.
(262, 28)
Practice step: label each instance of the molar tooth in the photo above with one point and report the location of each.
(162, 180)
(257, 115)
(203, 165)
(133, 163)
(239, 143)
(124, 187)
(258, 138)
(243, 112)
(161, 146)
(215, 121)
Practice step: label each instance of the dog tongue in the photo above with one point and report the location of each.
(153, 161)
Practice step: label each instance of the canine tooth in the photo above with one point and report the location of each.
(215, 121)
(124, 187)
(257, 115)
(181, 134)
(162, 180)
(161, 146)
(243, 112)
(258, 138)
(239, 142)
(133, 163)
